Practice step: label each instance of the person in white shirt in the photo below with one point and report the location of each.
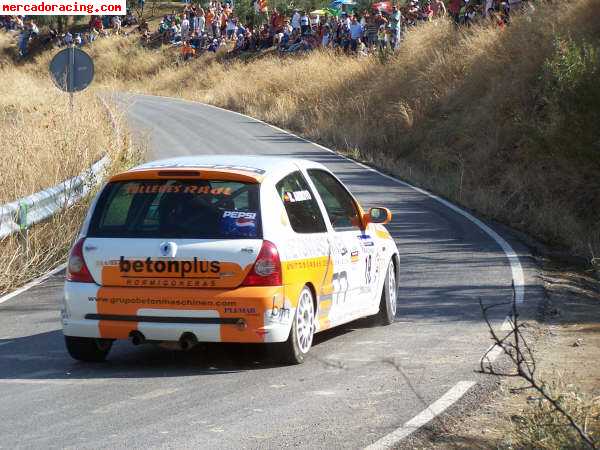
(185, 28)
(116, 24)
(356, 33)
(296, 20)
(231, 27)
(68, 38)
(201, 22)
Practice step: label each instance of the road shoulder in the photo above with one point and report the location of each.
(565, 335)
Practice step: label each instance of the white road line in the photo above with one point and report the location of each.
(492, 353)
(508, 324)
(32, 283)
(516, 268)
(432, 411)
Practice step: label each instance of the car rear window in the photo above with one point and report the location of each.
(183, 209)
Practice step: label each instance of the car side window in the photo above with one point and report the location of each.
(300, 204)
(339, 204)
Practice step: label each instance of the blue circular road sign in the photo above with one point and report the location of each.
(72, 70)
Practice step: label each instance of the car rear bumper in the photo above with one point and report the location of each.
(246, 314)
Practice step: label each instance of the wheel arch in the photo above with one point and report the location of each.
(396, 261)
(315, 297)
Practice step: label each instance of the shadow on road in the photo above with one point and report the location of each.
(44, 357)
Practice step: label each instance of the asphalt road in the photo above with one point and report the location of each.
(360, 382)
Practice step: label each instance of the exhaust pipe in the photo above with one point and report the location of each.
(137, 338)
(187, 341)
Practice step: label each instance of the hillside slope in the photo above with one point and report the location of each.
(501, 121)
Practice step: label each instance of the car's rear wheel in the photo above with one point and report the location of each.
(389, 297)
(88, 349)
(299, 342)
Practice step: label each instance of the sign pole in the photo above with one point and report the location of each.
(71, 75)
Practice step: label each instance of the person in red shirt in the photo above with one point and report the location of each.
(209, 16)
(454, 9)
(276, 22)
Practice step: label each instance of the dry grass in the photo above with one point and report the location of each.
(45, 143)
(466, 113)
(36, 126)
(540, 426)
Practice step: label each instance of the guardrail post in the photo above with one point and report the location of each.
(23, 230)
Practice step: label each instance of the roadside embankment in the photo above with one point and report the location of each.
(44, 143)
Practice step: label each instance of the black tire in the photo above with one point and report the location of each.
(291, 351)
(88, 349)
(388, 306)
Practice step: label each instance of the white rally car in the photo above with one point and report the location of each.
(226, 249)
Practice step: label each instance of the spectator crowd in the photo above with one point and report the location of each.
(380, 28)
(341, 26)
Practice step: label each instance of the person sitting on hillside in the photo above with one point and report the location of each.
(265, 39)
(24, 37)
(304, 23)
(116, 25)
(187, 51)
(197, 42)
(439, 8)
(96, 24)
(185, 28)
(426, 11)
(143, 27)
(163, 27)
(276, 23)
(175, 34)
(93, 35)
(296, 20)
(51, 38)
(214, 46)
(18, 23)
(129, 19)
(67, 39)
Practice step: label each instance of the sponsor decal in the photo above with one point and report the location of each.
(171, 267)
(366, 240)
(239, 214)
(306, 264)
(239, 223)
(354, 256)
(169, 302)
(296, 196)
(154, 188)
(169, 282)
(239, 310)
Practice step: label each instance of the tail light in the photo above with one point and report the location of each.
(76, 268)
(266, 270)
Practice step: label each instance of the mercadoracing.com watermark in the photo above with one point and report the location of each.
(62, 7)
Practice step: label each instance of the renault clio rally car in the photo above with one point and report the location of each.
(226, 249)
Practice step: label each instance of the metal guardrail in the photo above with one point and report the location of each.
(19, 215)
